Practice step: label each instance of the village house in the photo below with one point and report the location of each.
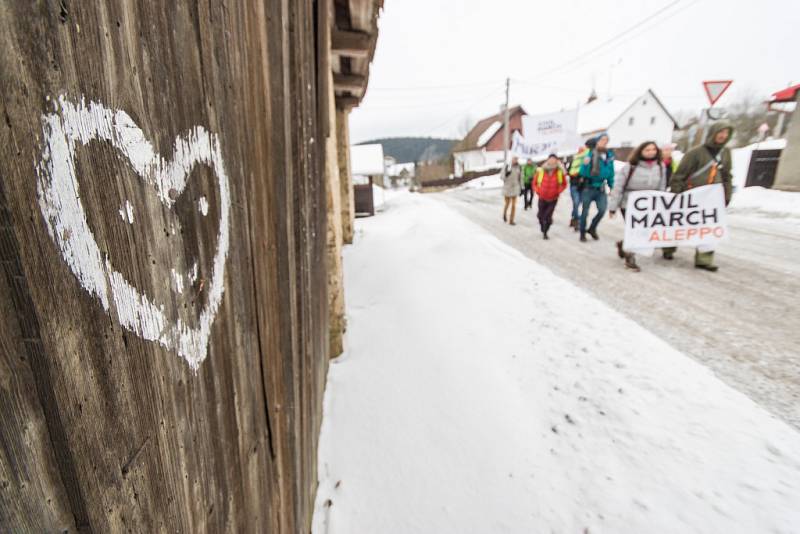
(788, 175)
(628, 121)
(482, 148)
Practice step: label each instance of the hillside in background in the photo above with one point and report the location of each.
(413, 149)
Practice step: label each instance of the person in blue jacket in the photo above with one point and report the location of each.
(597, 173)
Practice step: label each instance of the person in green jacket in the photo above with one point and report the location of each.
(527, 180)
(709, 163)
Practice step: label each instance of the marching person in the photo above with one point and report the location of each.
(597, 171)
(549, 182)
(575, 185)
(512, 185)
(527, 179)
(669, 161)
(645, 171)
(709, 163)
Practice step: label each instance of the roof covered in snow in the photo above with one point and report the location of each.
(600, 114)
(398, 168)
(476, 139)
(366, 160)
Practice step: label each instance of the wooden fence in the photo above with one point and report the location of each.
(163, 324)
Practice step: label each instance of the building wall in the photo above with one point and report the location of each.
(115, 415)
(333, 194)
(496, 142)
(476, 161)
(788, 177)
(345, 174)
(644, 109)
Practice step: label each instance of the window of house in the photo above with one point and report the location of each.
(652, 120)
(630, 121)
(644, 102)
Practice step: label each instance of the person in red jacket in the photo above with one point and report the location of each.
(549, 182)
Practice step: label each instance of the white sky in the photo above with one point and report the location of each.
(456, 55)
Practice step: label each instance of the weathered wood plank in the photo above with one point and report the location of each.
(120, 433)
(351, 43)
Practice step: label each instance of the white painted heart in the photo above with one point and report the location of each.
(73, 125)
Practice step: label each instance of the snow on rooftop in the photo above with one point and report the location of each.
(489, 132)
(397, 168)
(599, 114)
(366, 160)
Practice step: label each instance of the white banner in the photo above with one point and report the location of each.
(546, 134)
(694, 218)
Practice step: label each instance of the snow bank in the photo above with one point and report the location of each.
(492, 181)
(481, 393)
(766, 202)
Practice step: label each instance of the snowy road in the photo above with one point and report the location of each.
(742, 322)
(480, 393)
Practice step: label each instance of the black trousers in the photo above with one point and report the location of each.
(528, 193)
(545, 213)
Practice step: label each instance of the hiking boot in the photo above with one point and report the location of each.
(583, 238)
(545, 235)
(620, 252)
(594, 235)
(512, 223)
(669, 256)
(709, 268)
(573, 223)
(504, 218)
(630, 263)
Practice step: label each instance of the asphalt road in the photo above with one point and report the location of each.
(742, 322)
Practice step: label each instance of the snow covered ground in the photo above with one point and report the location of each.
(768, 203)
(481, 393)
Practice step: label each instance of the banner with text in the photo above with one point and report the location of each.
(545, 134)
(694, 218)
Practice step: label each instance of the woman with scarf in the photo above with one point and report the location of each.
(596, 171)
(645, 171)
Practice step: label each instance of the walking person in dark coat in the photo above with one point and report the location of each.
(709, 163)
(549, 182)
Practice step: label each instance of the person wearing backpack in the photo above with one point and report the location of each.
(709, 163)
(549, 182)
(645, 171)
(597, 170)
(527, 178)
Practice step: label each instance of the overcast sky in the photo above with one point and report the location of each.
(439, 62)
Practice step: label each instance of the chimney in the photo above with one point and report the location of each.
(592, 96)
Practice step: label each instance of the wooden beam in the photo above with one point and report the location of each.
(349, 82)
(351, 43)
(347, 102)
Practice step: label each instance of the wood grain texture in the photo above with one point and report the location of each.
(103, 431)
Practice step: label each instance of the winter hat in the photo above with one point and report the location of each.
(591, 143)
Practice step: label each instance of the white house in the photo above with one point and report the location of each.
(367, 161)
(627, 121)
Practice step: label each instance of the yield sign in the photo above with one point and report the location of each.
(715, 89)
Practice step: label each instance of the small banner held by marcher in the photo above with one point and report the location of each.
(545, 134)
(694, 218)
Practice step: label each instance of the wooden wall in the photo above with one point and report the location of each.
(104, 424)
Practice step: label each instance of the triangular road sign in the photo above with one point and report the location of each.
(715, 89)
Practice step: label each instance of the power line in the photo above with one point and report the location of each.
(610, 40)
(460, 113)
(434, 87)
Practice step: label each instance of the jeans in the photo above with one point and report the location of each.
(575, 193)
(598, 196)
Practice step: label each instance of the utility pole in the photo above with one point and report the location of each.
(506, 137)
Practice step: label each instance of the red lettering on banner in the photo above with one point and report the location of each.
(718, 231)
(679, 234)
(654, 236)
(691, 232)
(704, 232)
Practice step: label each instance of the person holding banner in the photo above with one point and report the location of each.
(597, 170)
(709, 163)
(512, 185)
(549, 182)
(527, 180)
(645, 171)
